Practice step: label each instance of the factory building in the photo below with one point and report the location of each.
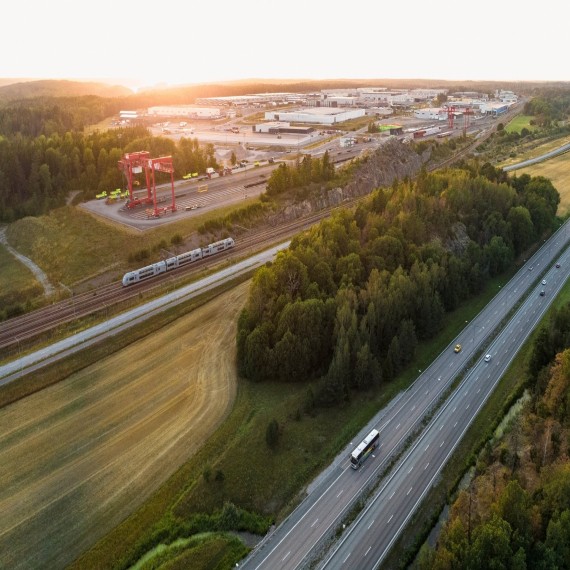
(188, 111)
(494, 109)
(281, 127)
(318, 115)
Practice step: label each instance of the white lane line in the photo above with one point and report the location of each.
(426, 447)
(393, 493)
(454, 409)
(398, 426)
(316, 521)
(370, 525)
(427, 465)
(341, 491)
(410, 469)
(409, 491)
(413, 408)
(391, 517)
(441, 427)
(454, 424)
(282, 559)
(367, 551)
(467, 407)
(441, 443)
(347, 557)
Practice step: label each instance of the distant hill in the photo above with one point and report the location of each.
(59, 88)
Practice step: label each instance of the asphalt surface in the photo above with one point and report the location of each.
(305, 532)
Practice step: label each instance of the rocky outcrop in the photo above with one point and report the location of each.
(394, 160)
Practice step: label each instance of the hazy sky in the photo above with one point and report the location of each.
(196, 41)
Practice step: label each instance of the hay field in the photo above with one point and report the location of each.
(558, 171)
(80, 456)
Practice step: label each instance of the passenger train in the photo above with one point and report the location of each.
(177, 261)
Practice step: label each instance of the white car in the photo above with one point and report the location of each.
(487, 358)
(544, 281)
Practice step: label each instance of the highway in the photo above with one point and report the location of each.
(370, 537)
(304, 534)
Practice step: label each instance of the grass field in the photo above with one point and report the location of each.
(80, 456)
(519, 123)
(558, 171)
(17, 282)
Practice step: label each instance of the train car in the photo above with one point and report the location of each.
(218, 246)
(144, 273)
(189, 256)
(174, 262)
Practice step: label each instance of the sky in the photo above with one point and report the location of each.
(177, 42)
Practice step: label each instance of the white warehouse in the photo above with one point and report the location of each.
(319, 115)
(185, 111)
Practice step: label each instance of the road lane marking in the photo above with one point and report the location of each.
(393, 493)
(398, 426)
(367, 551)
(346, 558)
(441, 427)
(370, 525)
(410, 469)
(413, 408)
(454, 409)
(391, 517)
(454, 424)
(285, 556)
(427, 465)
(441, 443)
(409, 491)
(467, 407)
(426, 447)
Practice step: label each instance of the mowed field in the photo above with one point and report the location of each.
(77, 458)
(558, 171)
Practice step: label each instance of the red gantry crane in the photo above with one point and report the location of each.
(467, 112)
(162, 164)
(133, 163)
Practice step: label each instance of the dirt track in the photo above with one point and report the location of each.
(77, 458)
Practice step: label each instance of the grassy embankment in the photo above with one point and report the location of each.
(72, 246)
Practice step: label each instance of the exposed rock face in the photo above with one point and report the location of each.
(393, 160)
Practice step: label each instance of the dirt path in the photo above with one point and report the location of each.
(77, 458)
(39, 274)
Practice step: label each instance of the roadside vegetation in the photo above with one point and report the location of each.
(515, 511)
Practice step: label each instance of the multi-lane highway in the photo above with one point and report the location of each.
(294, 543)
(369, 539)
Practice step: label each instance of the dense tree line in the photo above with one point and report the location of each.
(38, 172)
(304, 173)
(516, 512)
(350, 299)
(54, 115)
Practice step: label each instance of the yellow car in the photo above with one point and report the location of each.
(457, 348)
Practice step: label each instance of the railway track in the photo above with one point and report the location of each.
(20, 331)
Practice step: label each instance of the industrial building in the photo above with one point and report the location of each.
(281, 127)
(188, 111)
(318, 115)
(494, 109)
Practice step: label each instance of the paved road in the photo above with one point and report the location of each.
(542, 158)
(293, 544)
(370, 537)
(36, 360)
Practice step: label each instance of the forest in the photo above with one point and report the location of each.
(515, 514)
(348, 302)
(37, 173)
